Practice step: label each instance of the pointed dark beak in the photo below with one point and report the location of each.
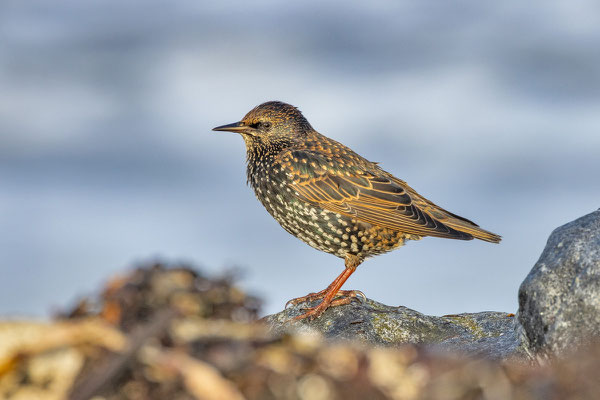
(235, 127)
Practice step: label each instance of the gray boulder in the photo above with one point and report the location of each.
(559, 301)
(490, 334)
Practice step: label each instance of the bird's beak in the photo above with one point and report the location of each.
(237, 127)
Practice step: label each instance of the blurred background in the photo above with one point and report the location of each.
(491, 110)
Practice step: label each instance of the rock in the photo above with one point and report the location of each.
(559, 301)
(491, 334)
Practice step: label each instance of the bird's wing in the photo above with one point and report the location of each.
(366, 193)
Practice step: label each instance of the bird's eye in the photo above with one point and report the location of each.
(260, 125)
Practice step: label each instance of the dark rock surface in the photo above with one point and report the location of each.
(491, 334)
(559, 301)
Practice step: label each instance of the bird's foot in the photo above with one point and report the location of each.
(352, 294)
(308, 298)
(315, 312)
(320, 295)
(340, 298)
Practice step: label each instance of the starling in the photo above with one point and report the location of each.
(333, 199)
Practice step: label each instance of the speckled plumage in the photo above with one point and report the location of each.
(332, 198)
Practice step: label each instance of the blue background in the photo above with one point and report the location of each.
(490, 109)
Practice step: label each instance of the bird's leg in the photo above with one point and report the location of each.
(340, 293)
(328, 295)
(319, 295)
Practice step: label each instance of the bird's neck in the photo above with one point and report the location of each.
(260, 158)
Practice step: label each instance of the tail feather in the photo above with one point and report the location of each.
(468, 228)
(472, 229)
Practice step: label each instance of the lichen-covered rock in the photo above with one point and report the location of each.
(491, 334)
(559, 301)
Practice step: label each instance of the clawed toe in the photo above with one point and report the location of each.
(308, 298)
(313, 312)
(352, 294)
(342, 297)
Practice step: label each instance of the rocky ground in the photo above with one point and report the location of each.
(168, 332)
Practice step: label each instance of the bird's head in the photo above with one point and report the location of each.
(269, 124)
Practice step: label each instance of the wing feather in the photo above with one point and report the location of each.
(371, 195)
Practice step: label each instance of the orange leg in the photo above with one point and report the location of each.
(333, 290)
(319, 295)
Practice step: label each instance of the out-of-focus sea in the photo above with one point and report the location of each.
(490, 109)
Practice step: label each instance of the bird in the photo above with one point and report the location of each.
(333, 199)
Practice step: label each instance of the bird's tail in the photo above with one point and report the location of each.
(456, 222)
(475, 231)
(467, 226)
(451, 220)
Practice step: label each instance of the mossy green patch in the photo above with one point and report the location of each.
(409, 329)
(470, 324)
